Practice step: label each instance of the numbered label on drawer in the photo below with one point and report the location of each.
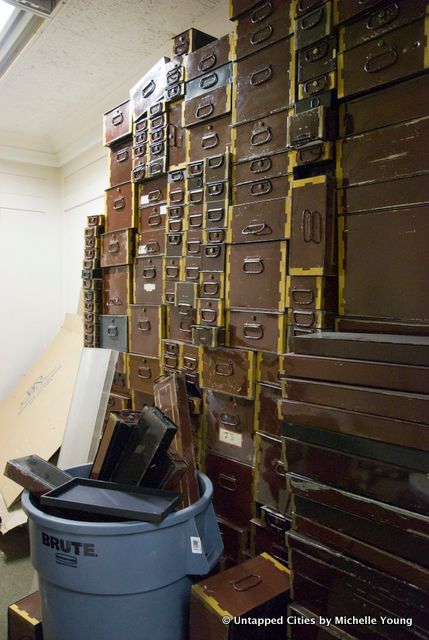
(231, 437)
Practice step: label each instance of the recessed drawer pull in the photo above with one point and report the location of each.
(210, 81)
(383, 16)
(184, 308)
(317, 52)
(230, 419)
(210, 140)
(172, 271)
(114, 302)
(112, 331)
(261, 188)
(253, 265)
(215, 215)
(155, 195)
(248, 582)
(144, 325)
(204, 109)
(148, 89)
(261, 135)
(311, 226)
(229, 483)
(279, 468)
(225, 369)
(261, 165)
(209, 315)
(114, 246)
(381, 60)
(152, 247)
(185, 326)
(255, 229)
(304, 319)
(192, 273)
(149, 273)
(212, 251)
(170, 361)
(253, 331)
(207, 63)
(144, 372)
(118, 119)
(311, 20)
(261, 35)
(175, 213)
(316, 85)
(216, 189)
(190, 363)
(211, 288)
(174, 239)
(177, 196)
(262, 75)
(122, 155)
(193, 247)
(119, 203)
(262, 12)
(154, 220)
(300, 295)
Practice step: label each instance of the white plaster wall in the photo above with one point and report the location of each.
(30, 266)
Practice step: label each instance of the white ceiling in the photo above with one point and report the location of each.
(85, 59)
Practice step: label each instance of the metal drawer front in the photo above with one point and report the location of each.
(148, 280)
(212, 56)
(208, 107)
(259, 330)
(117, 123)
(229, 426)
(114, 332)
(258, 222)
(262, 137)
(147, 328)
(117, 248)
(119, 207)
(116, 290)
(120, 163)
(143, 372)
(210, 138)
(228, 370)
(266, 24)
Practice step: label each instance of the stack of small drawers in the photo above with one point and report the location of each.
(383, 167)
(91, 280)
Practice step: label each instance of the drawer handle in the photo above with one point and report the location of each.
(111, 402)
(172, 271)
(255, 229)
(184, 308)
(261, 35)
(306, 5)
(261, 135)
(261, 165)
(225, 369)
(181, 48)
(192, 273)
(148, 89)
(301, 295)
(253, 331)
(144, 325)
(316, 85)
(140, 150)
(157, 136)
(141, 139)
(271, 521)
(383, 16)
(177, 175)
(144, 372)
(210, 140)
(155, 168)
(262, 12)
(185, 326)
(215, 189)
(195, 183)
(175, 226)
(155, 123)
(381, 60)
(230, 419)
(204, 109)
(174, 75)
(139, 173)
(216, 237)
(174, 239)
(207, 63)
(210, 81)
(211, 288)
(311, 226)
(172, 135)
(90, 233)
(311, 154)
(114, 246)
(119, 204)
(196, 169)
(215, 215)
(261, 76)
(193, 247)
(112, 331)
(195, 220)
(174, 92)
(170, 298)
(279, 468)
(311, 20)
(212, 251)
(114, 302)
(172, 349)
(155, 195)
(170, 361)
(196, 197)
(229, 483)
(215, 162)
(317, 52)
(248, 582)
(118, 118)
(154, 220)
(152, 247)
(149, 273)
(141, 126)
(175, 213)
(253, 265)
(261, 188)
(304, 319)
(157, 148)
(189, 362)
(177, 196)
(208, 315)
(122, 155)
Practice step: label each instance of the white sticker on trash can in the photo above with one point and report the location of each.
(196, 544)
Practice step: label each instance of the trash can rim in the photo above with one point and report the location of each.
(117, 528)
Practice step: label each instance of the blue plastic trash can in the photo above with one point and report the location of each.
(122, 580)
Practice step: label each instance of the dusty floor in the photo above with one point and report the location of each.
(16, 572)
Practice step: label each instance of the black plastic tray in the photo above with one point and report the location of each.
(109, 498)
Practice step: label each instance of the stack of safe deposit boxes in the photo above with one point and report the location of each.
(229, 169)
